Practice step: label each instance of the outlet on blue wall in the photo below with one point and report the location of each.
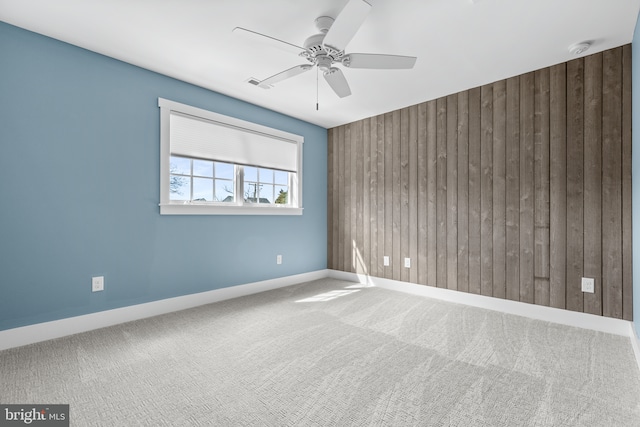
(79, 184)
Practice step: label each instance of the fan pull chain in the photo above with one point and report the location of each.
(317, 102)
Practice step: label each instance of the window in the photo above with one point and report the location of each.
(196, 180)
(214, 164)
(265, 186)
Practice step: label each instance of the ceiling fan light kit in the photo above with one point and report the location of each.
(326, 49)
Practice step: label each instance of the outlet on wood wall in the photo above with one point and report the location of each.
(515, 190)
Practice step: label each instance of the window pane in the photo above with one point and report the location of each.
(202, 190)
(251, 190)
(282, 195)
(203, 168)
(266, 175)
(179, 188)
(224, 191)
(224, 170)
(250, 173)
(266, 193)
(281, 177)
(180, 165)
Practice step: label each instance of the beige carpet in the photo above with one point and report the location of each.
(331, 353)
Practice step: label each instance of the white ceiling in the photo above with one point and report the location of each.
(460, 44)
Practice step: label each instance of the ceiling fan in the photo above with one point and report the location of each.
(326, 49)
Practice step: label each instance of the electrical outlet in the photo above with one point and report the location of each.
(97, 284)
(588, 284)
(407, 263)
(279, 259)
(385, 261)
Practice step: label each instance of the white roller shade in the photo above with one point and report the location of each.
(197, 137)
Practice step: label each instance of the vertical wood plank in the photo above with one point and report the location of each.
(474, 190)
(347, 198)
(388, 192)
(558, 187)
(527, 206)
(396, 209)
(486, 191)
(432, 214)
(612, 184)
(353, 198)
(499, 188)
(452, 192)
(337, 200)
(382, 222)
(441, 197)
(541, 178)
(463, 191)
(330, 211)
(575, 183)
(375, 225)
(512, 188)
(357, 220)
(593, 180)
(335, 195)
(366, 196)
(423, 235)
(627, 242)
(404, 194)
(413, 193)
(341, 197)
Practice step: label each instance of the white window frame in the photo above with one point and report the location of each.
(168, 207)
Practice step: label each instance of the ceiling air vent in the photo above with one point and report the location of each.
(256, 82)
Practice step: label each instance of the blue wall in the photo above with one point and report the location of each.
(79, 190)
(635, 185)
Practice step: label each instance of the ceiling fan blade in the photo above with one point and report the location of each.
(378, 62)
(291, 72)
(346, 24)
(338, 82)
(263, 38)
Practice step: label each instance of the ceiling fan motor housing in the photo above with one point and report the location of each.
(315, 49)
(313, 44)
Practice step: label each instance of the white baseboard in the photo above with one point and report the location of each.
(25, 335)
(549, 314)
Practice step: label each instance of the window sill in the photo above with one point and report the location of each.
(195, 209)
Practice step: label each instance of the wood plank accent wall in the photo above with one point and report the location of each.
(516, 189)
